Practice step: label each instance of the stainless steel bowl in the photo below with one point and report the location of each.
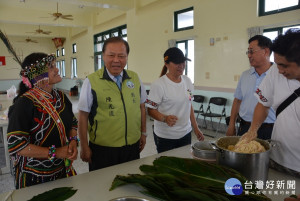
(204, 150)
(129, 199)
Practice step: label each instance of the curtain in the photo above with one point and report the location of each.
(252, 31)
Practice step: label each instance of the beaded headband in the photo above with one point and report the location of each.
(37, 72)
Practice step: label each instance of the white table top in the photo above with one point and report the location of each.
(94, 186)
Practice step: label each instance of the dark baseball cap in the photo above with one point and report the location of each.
(175, 55)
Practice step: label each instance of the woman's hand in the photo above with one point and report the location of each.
(68, 151)
(72, 150)
(199, 134)
(171, 120)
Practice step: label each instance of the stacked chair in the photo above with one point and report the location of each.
(215, 109)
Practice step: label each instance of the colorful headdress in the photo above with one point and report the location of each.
(37, 72)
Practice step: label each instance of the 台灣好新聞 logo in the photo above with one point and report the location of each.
(233, 187)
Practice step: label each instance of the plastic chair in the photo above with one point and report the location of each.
(199, 99)
(215, 104)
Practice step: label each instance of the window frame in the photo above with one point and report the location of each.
(74, 48)
(176, 13)
(62, 51)
(58, 66)
(63, 68)
(279, 31)
(261, 9)
(73, 67)
(57, 53)
(187, 54)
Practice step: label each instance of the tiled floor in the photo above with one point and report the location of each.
(7, 183)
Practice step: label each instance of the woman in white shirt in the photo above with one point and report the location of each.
(170, 104)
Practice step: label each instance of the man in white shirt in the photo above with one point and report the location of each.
(244, 100)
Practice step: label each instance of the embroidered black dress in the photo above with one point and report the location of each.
(28, 123)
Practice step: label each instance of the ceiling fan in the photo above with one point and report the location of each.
(40, 31)
(60, 15)
(29, 40)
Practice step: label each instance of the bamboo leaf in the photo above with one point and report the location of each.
(56, 194)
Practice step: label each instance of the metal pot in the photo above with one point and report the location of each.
(254, 166)
(204, 150)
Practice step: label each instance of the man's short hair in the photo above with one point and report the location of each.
(263, 41)
(288, 45)
(116, 40)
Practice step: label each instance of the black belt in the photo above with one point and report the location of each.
(243, 122)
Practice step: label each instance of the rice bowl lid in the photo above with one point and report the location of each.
(203, 146)
(213, 160)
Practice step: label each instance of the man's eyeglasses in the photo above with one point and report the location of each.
(252, 51)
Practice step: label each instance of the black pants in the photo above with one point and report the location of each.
(264, 132)
(163, 144)
(107, 156)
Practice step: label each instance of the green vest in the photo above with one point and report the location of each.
(115, 117)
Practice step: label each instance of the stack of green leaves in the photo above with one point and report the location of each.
(177, 179)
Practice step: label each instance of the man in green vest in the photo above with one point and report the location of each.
(112, 110)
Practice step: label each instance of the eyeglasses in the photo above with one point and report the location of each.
(252, 51)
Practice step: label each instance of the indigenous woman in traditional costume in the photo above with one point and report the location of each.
(42, 129)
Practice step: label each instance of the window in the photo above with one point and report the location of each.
(57, 53)
(187, 47)
(274, 32)
(62, 51)
(184, 19)
(268, 7)
(74, 48)
(74, 68)
(58, 66)
(63, 68)
(99, 41)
